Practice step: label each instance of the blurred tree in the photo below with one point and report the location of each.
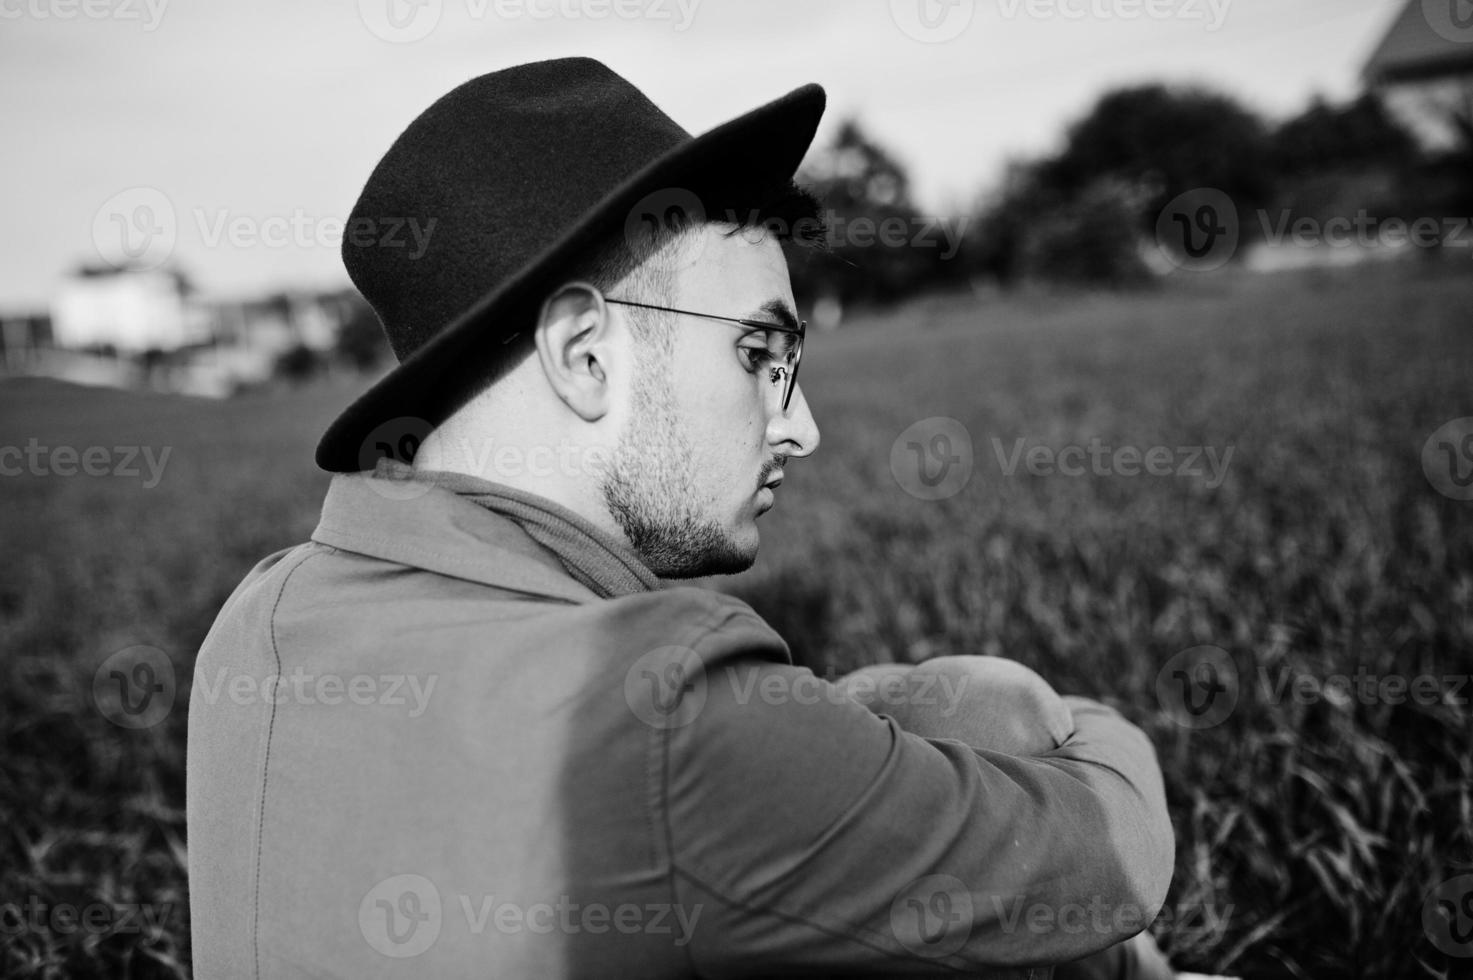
(1336, 161)
(1081, 216)
(881, 247)
(298, 363)
(1091, 240)
(1170, 140)
(997, 239)
(856, 174)
(1445, 180)
(1355, 136)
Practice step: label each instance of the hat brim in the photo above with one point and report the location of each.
(761, 148)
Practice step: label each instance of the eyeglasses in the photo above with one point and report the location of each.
(789, 353)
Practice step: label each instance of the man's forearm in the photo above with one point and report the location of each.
(989, 703)
(1002, 710)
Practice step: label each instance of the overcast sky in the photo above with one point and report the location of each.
(267, 115)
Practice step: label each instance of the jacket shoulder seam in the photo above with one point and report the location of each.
(266, 765)
(717, 614)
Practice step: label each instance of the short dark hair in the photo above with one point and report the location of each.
(790, 213)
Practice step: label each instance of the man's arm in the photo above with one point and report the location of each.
(814, 833)
(999, 705)
(987, 702)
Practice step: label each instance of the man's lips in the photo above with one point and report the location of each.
(774, 481)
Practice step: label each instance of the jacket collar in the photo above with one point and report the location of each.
(473, 529)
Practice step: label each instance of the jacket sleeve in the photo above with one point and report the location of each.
(812, 833)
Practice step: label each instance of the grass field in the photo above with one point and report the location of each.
(1311, 828)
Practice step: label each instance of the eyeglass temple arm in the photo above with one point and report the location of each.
(762, 324)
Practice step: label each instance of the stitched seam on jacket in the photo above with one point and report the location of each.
(660, 747)
(266, 770)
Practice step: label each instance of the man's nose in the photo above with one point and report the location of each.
(794, 432)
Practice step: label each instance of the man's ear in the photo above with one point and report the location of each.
(578, 348)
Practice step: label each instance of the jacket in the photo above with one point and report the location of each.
(463, 732)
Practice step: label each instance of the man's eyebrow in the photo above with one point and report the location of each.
(776, 311)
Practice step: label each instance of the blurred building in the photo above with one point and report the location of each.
(23, 338)
(127, 311)
(1423, 68)
(152, 328)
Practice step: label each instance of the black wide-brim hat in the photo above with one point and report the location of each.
(483, 206)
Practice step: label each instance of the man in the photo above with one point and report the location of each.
(465, 731)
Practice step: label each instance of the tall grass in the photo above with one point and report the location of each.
(1309, 834)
